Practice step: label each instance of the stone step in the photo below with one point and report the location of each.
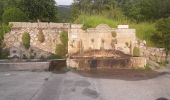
(24, 66)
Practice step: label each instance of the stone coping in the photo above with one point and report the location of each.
(27, 60)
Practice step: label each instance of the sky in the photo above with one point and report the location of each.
(64, 2)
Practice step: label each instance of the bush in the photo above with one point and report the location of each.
(64, 38)
(13, 15)
(41, 36)
(61, 49)
(3, 29)
(136, 52)
(26, 40)
(114, 34)
(162, 35)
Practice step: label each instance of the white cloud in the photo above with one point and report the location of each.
(64, 2)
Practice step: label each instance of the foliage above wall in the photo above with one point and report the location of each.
(26, 40)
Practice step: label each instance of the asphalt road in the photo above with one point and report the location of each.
(76, 86)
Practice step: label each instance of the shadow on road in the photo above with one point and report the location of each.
(121, 74)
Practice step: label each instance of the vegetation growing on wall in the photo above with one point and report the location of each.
(41, 36)
(136, 52)
(3, 29)
(114, 34)
(26, 40)
(61, 49)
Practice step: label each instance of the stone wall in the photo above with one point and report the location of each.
(107, 63)
(100, 38)
(138, 62)
(16, 25)
(154, 54)
(51, 33)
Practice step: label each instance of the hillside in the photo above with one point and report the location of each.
(64, 13)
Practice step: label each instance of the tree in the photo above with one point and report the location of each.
(144, 10)
(93, 6)
(26, 40)
(162, 36)
(74, 11)
(155, 9)
(44, 10)
(1, 10)
(13, 15)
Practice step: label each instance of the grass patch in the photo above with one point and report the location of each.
(144, 31)
(93, 21)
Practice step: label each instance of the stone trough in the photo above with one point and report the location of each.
(104, 59)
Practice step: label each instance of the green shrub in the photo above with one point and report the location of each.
(114, 34)
(136, 52)
(26, 40)
(64, 38)
(61, 49)
(3, 30)
(41, 36)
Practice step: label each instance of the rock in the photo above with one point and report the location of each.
(153, 65)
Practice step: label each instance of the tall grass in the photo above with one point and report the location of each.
(144, 30)
(93, 21)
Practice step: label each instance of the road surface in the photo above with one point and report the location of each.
(78, 86)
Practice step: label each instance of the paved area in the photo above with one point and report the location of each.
(80, 86)
(20, 85)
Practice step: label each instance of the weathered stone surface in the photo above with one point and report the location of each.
(100, 38)
(107, 63)
(138, 62)
(51, 33)
(154, 54)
